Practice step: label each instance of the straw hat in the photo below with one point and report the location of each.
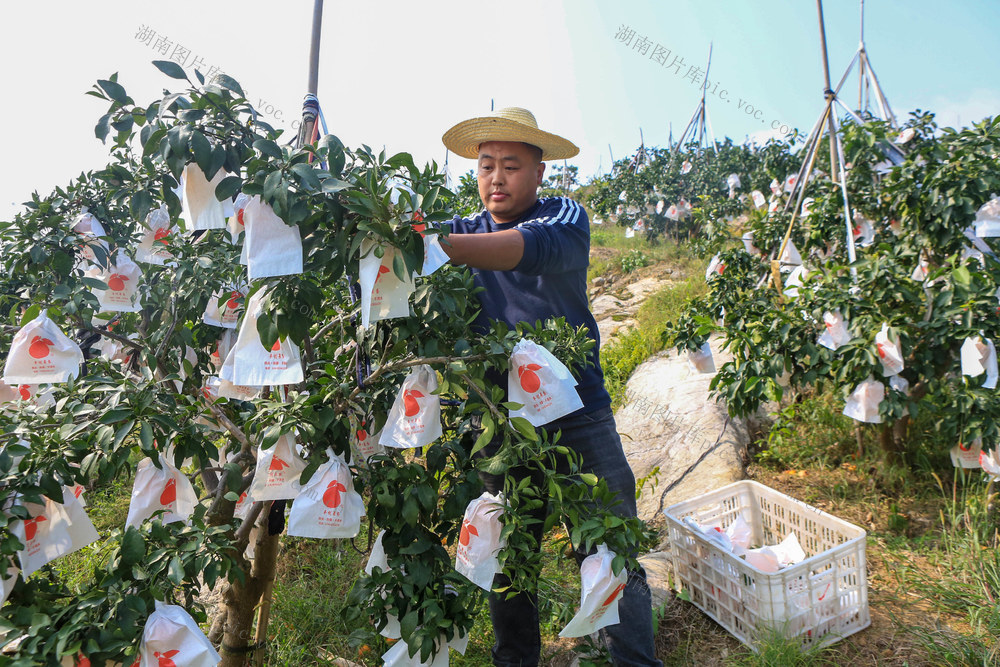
(510, 124)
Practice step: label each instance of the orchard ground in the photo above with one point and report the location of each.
(932, 581)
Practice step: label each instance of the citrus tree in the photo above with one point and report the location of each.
(145, 388)
(922, 278)
(655, 184)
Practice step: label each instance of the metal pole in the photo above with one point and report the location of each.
(828, 93)
(310, 108)
(861, 74)
(317, 29)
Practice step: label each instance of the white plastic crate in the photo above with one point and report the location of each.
(818, 601)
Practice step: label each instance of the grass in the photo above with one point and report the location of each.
(311, 589)
(622, 355)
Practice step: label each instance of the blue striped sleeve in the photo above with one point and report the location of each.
(557, 240)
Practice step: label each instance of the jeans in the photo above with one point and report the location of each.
(595, 437)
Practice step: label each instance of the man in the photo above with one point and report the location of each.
(531, 258)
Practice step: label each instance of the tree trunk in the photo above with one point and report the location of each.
(891, 448)
(241, 599)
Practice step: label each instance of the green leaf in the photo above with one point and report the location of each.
(268, 147)
(228, 187)
(489, 429)
(114, 90)
(146, 436)
(525, 428)
(171, 69)
(229, 82)
(175, 571)
(408, 624)
(133, 547)
(232, 496)
(103, 127)
(202, 150)
(307, 174)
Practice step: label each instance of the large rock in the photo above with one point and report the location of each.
(670, 421)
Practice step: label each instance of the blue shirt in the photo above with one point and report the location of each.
(549, 281)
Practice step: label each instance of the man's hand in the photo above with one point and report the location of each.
(497, 251)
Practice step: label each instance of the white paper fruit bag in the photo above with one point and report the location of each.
(224, 308)
(967, 454)
(54, 530)
(715, 267)
(278, 470)
(172, 638)
(364, 445)
(541, 384)
(701, 360)
(377, 559)
(399, 654)
(122, 278)
(773, 558)
(835, 331)
(201, 209)
(978, 357)
(889, 353)
(41, 353)
(87, 226)
(383, 295)
(237, 224)
(790, 257)
(253, 365)
(864, 401)
(328, 506)
(7, 585)
(415, 417)
(758, 198)
(273, 247)
(990, 463)
(157, 233)
(434, 255)
(600, 590)
(479, 540)
(163, 488)
(988, 219)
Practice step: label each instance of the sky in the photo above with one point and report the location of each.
(399, 74)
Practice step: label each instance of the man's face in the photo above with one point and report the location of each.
(509, 174)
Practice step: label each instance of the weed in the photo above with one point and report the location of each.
(634, 259)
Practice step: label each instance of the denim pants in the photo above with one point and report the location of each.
(595, 437)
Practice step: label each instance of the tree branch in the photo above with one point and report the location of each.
(407, 363)
(475, 387)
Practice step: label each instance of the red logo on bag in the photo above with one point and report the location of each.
(77, 490)
(614, 595)
(881, 350)
(277, 464)
(331, 498)
(276, 347)
(25, 392)
(164, 659)
(362, 435)
(82, 660)
(162, 234)
(962, 446)
(233, 302)
(31, 526)
(530, 382)
(239, 217)
(467, 529)
(117, 282)
(410, 404)
(169, 494)
(382, 270)
(39, 348)
(720, 268)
